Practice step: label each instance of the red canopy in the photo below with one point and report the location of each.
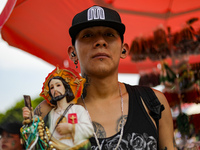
(40, 27)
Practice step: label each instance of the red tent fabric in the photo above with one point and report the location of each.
(6, 12)
(40, 27)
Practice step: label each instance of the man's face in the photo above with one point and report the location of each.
(98, 50)
(10, 141)
(56, 87)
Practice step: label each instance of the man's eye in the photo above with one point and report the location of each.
(109, 34)
(51, 87)
(87, 35)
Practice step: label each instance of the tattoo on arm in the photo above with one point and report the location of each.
(119, 122)
(37, 111)
(99, 130)
(164, 148)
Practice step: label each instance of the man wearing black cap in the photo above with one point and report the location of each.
(10, 136)
(120, 115)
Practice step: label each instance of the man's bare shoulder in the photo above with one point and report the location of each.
(160, 96)
(42, 109)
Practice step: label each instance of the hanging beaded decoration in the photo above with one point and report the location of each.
(35, 134)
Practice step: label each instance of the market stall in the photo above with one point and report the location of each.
(180, 78)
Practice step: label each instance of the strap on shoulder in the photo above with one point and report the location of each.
(151, 101)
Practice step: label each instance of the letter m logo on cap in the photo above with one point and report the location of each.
(95, 12)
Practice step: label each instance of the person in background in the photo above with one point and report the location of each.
(10, 136)
(119, 113)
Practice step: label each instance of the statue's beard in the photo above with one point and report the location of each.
(57, 98)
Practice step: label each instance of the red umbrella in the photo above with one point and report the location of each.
(6, 11)
(40, 27)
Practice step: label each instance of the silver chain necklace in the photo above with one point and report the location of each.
(122, 128)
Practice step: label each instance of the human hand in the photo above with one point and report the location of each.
(26, 112)
(64, 128)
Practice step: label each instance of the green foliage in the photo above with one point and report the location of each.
(15, 113)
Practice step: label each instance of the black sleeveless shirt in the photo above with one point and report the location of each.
(139, 131)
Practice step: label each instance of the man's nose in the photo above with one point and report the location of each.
(100, 42)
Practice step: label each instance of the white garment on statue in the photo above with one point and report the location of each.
(83, 127)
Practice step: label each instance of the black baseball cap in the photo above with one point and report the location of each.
(11, 127)
(96, 16)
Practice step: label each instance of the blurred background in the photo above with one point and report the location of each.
(164, 53)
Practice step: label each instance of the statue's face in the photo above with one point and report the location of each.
(56, 87)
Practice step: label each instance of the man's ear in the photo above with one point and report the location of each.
(124, 51)
(72, 53)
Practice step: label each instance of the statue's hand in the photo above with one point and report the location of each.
(64, 128)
